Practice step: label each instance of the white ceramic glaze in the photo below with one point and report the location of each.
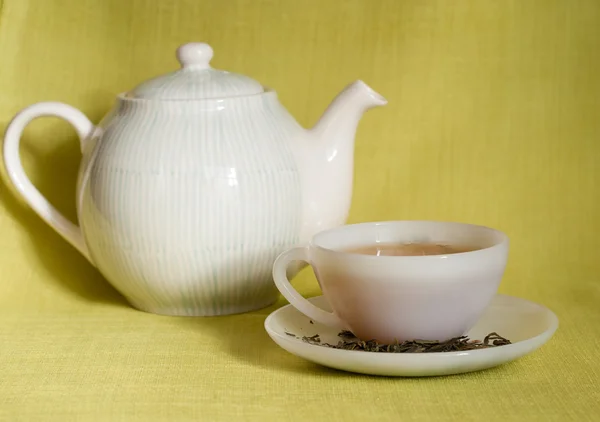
(398, 298)
(527, 324)
(195, 181)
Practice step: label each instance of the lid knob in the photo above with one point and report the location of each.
(196, 79)
(195, 55)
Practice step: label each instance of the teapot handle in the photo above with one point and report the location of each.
(69, 231)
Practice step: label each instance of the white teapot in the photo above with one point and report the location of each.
(195, 181)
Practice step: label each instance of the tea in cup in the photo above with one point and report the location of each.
(400, 280)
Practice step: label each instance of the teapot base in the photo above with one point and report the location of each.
(207, 312)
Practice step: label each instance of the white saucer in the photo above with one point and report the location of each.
(526, 324)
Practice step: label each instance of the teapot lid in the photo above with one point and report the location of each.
(196, 80)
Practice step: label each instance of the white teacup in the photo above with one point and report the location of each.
(398, 298)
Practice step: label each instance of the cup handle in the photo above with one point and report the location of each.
(296, 299)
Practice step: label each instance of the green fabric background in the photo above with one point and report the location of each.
(493, 118)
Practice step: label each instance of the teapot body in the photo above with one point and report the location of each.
(184, 205)
(196, 181)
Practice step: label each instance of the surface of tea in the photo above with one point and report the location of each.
(409, 249)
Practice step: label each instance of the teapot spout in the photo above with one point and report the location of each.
(327, 168)
(337, 126)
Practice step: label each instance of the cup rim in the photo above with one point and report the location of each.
(502, 242)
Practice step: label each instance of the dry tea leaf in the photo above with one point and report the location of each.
(457, 344)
